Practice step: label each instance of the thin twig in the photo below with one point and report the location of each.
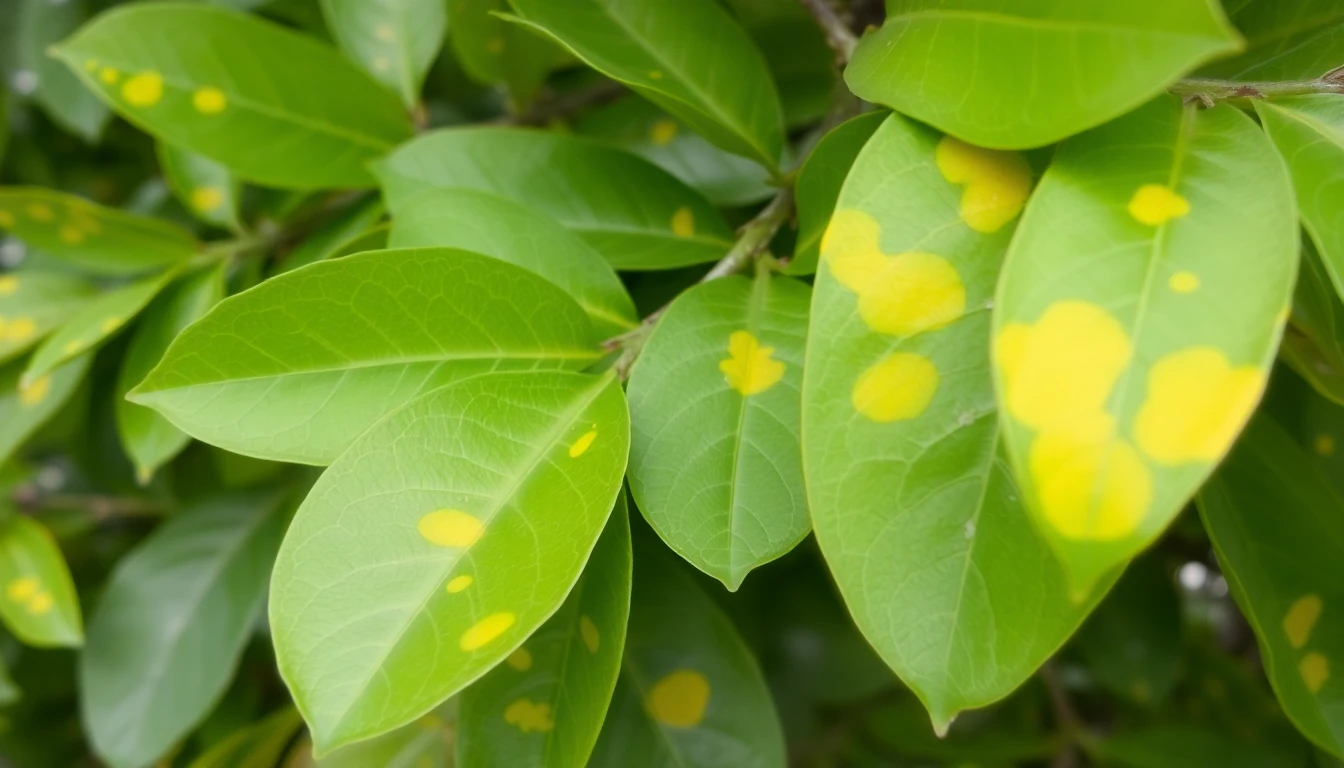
(1211, 92)
(1066, 717)
(838, 34)
(100, 508)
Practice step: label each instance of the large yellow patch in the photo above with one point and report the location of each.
(679, 699)
(749, 367)
(143, 90)
(1091, 486)
(896, 388)
(997, 183)
(1155, 205)
(1196, 403)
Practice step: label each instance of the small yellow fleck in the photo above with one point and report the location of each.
(8, 285)
(582, 445)
(1324, 445)
(679, 699)
(111, 324)
(450, 528)
(71, 235)
(1155, 205)
(39, 212)
(663, 132)
(749, 368)
(997, 183)
(1184, 282)
(35, 392)
(588, 631)
(529, 716)
(897, 388)
(206, 199)
(22, 589)
(495, 45)
(381, 64)
(143, 90)
(143, 475)
(1301, 619)
(655, 74)
(39, 603)
(209, 101)
(109, 75)
(520, 660)
(683, 222)
(1196, 405)
(19, 329)
(459, 583)
(72, 346)
(1315, 670)
(485, 630)
(6, 220)
(384, 32)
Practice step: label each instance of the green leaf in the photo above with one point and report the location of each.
(205, 187)
(485, 223)
(1278, 528)
(1178, 746)
(1012, 76)
(150, 439)
(259, 745)
(1132, 642)
(1313, 342)
(819, 182)
(42, 23)
(25, 408)
(466, 518)
(715, 463)
(10, 692)
(635, 214)
(544, 706)
(276, 107)
(1285, 40)
(1124, 373)
(96, 322)
(795, 50)
(93, 238)
(638, 126)
(493, 51)
(316, 364)
(39, 604)
(395, 40)
(167, 635)
(913, 504)
(425, 743)
(690, 694)
(334, 234)
(32, 304)
(676, 53)
(1309, 133)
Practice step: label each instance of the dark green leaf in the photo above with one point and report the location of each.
(819, 182)
(256, 746)
(1285, 39)
(494, 51)
(1313, 342)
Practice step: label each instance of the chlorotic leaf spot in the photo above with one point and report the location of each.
(663, 132)
(458, 583)
(1315, 670)
(520, 659)
(206, 199)
(528, 716)
(1155, 205)
(1091, 485)
(679, 699)
(1301, 619)
(209, 101)
(450, 528)
(8, 285)
(1195, 405)
(1184, 282)
(143, 90)
(1324, 445)
(997, 183)
(588, 632)
(582, 445)
(683, 222)
(898, 387)
(35, 392)
(749, 368)
(486, 630)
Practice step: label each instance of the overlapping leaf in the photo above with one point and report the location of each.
(1313, 342)
(1017, 75)
(1285, 40)
(204, 186)
(439, 541)
(635, 214)
(335, 234)
(495, 51)
(26, 407)
(914, 507)
(715, 462)
(819, 182)
(32, 304)
(297, 367)
(1139, 310)
(425, 743)
(795, 49)
(38, 605)
(395, 40)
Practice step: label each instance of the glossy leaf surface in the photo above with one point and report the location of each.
(39, 605)
(32, 304)
(1285, 40)
(819, 182)
(395, 40)
(205, 187)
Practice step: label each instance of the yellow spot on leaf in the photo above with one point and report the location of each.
(8, 285)
(209, 101)
(384, 32)
(485, 630)
(1184, 282)
(899, 295)
(1155, 205)
(582, 445)
(19, 329)
(1315, 670)
(749, 367)
(35, 392)
(1324, 445)
(450, 528)
(1196, 404)
(22, 589)
(109, 75)
(143, 90)
(111, 324)
(495, 45)
(6, 220)
(529, 716)
(39, 604)
(71, 235)
(997, 183)
(1301, 618)
(1091, 484)
(663, 132)
(206, 199)
(899, 387)
(39, 212)
(588, 631)
(459, 583)
(679, 700)
(72, 346)
(520, 660)
(683, 222)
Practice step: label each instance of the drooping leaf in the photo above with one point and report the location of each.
(42, 23)
(332, 236)
(715, 462)
(465, 517)
(149, 438)
(395, 40)
(1132, 642)
(635, 214)
(32, 304)
(1139, 309)
(1285, 40)
(545, 705)
(915, 510)
(819, 182)
(171, 625)
(425, 743)
(25, 408)
(690, 693)
(276, 107)
(204, 186)
(1313, 342)
(795, 50)
(1018, 75)
(676, 53)
(258, 745)
(1278, 527)
(297, 367)
(39, 604)
(95, 239)
(493, 51)
(485, 223)
(94, 323)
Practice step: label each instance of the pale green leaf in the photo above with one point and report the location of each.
(444, 536)
(395, 40)
(39, 604)
(494, 52)
(23, 409)
(172, 623)
(42, 23)
(819, 182)
(1285, 40)
(715, 462)
(204, 187)
(33, 304)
